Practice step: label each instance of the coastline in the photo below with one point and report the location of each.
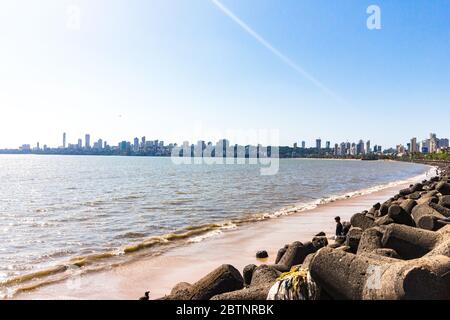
(192, 261)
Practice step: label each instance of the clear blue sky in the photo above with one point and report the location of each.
(183, 69)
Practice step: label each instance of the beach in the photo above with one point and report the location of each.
(190, 262)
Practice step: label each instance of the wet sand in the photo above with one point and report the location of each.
(191, 262)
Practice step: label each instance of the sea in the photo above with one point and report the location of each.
(61, 215)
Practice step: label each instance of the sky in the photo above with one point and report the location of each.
(178, 70)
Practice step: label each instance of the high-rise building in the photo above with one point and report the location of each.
(136, 145)
(444, 143)
(328, 144)
(336, 149)
(343, 149)
(100, 144)
(413, 145)
(64, 140)
(360, 148)
(433, 143)
(80, 144)
(295, 145)
(303, 144)
(318, 144)
(87, 141)
(368, 147)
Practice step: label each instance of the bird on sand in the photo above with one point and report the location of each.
(145, 297)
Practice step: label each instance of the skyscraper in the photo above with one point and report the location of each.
(80, 144)
(64, 140)
(368, 146)
(319, 144)
(433, 143)
(87, 141)
(328, 144)
(414, 148)
(136, 145)
(303, 144)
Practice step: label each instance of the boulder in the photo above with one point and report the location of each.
(262, 254)
(445, 201)
(353, 238)
(370, 240)
(225, 278)
(425, 217)
(443, 188)
(358, 277)
(399, 215)
(360, 220)
(441, 209)
(263, 279)
(248, 273)
(409, 242)
(384, 220)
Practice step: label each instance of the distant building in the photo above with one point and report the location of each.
(413, 146)
(303, 145)
(328, 144)
(80, 144)
(360, 148)
(368, 147)
(295, 145)
(87, 141)
(336, 150)
(443, 143)
(136, 145)
(64, 140)
(434, 143)
(318, 144)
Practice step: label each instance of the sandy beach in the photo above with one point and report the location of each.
(189, 263)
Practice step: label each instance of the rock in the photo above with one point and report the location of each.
(370, 240)
(281, 253)
(344, 248)
(384, 208)
(386, 252)
(319, 242)
(408, 205)
(415, 196)
(443, 188)
(425, 217)
(441, 209)
(321, 234)
(225, 278)
(384, 220)
(346, 227)
(445, 201)
(248, 273)
(377, 206)
(351, 277)
(181, 291)
(353, 238)
(360, 220)
(409, 242)
(295, 254)
(262, 254)
(399, 215)
(263, 279)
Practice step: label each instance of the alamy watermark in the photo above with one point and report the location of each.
(262, 149)
(374, 20)
(73, 17)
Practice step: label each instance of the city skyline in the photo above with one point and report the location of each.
(432, 144)
(173, 68)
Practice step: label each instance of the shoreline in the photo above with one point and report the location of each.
(193, 260)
